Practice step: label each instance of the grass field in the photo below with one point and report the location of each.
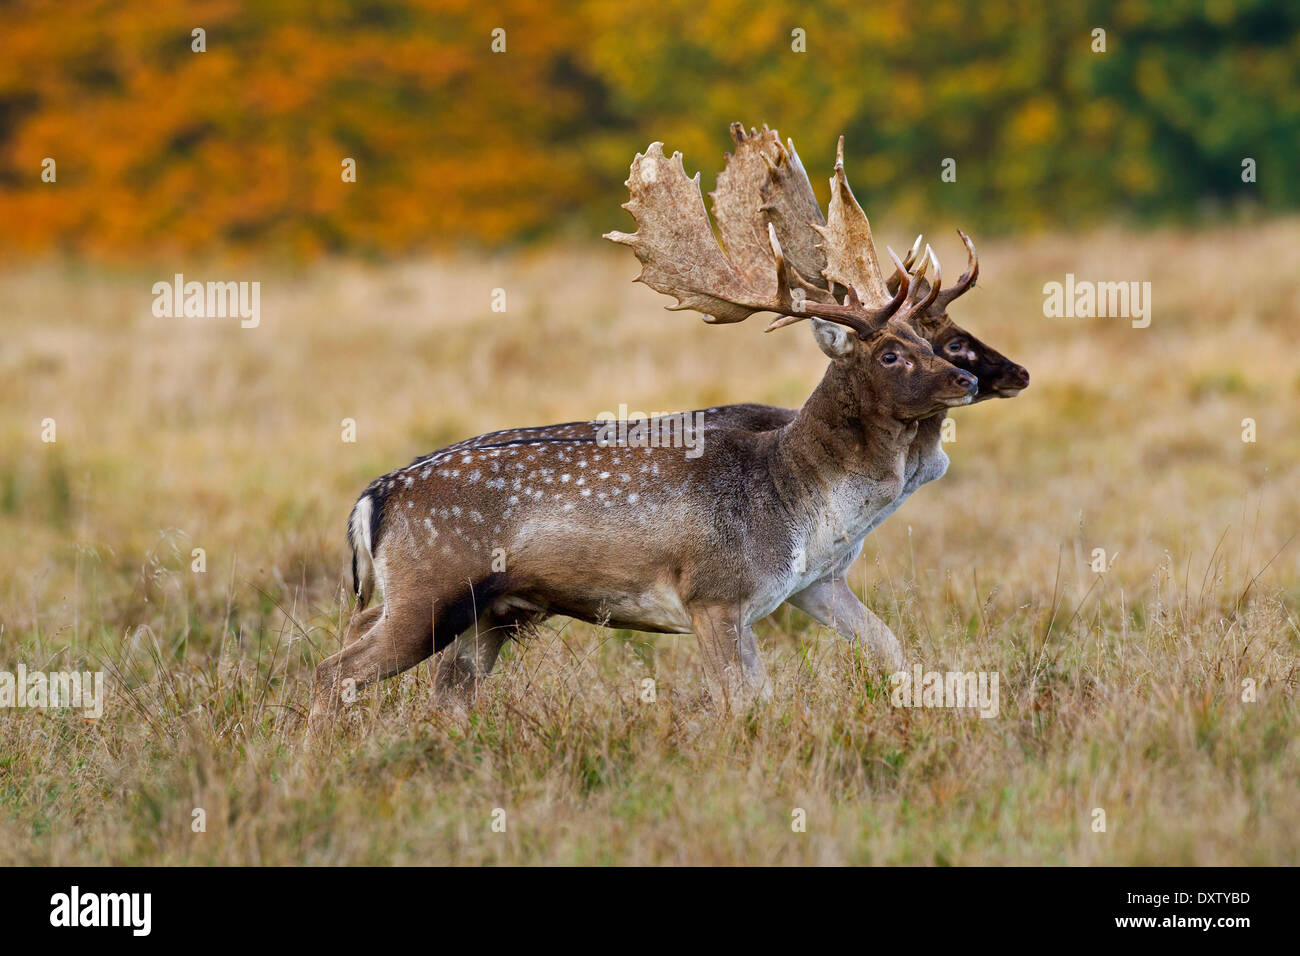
(1120, 691)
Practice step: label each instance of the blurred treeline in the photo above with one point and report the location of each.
(161, 148)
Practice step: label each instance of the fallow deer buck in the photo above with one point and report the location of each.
(648, 538)
(764, 181)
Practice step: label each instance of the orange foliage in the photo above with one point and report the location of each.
(159, 148)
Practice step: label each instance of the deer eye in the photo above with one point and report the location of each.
(889, 358)
(956, 346)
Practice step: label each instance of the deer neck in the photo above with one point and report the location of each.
(844, 443)
(928, 430)
(928, 443)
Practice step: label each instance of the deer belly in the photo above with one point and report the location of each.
(615, 566)
(657, 608)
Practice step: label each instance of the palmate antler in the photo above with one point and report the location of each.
(764, 182)
(850, 250)
(680, 256)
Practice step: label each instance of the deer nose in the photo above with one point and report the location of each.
(967, 381)
(1022, 373)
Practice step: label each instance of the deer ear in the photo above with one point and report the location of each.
(834, 339)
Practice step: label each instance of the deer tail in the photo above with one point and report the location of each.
(363, 555)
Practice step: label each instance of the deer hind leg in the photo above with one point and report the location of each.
(410, 628)
(467, 661)
(464, 665)
(360, 623)
(833, 603)
(399, 639)
(732, 665)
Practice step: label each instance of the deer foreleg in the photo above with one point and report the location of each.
(732, 665)
(833, 603)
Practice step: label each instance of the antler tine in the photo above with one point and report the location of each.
(904, 277)
(921, 267)
(784, 296)
(911, 253)
(967, 281)
(918, 307)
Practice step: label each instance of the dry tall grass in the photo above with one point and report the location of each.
(1120, 691)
